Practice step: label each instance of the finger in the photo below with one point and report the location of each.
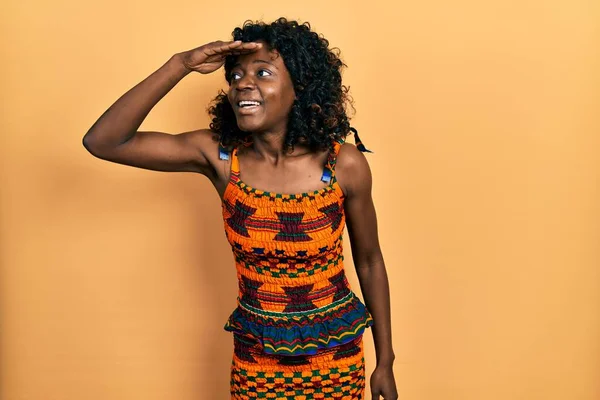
(231, 42)
(246, 51)
(239, 43)
(240, 50)
(245, 45)
(237, 51)
(227, 48)
(253, 45)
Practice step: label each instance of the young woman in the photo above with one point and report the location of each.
(289, 184)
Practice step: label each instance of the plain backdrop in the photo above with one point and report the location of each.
(115, 282)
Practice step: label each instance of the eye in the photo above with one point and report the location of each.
(232, 76)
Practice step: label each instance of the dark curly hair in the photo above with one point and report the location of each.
(318, 115)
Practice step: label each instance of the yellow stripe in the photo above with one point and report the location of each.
(300, 346)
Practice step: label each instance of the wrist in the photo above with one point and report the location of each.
(386, 361)
(176, 62)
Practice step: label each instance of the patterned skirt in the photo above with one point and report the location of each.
(333, 373)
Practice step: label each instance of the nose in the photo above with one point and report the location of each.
(245, 82)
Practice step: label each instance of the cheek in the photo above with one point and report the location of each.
(279, 97)
(286, 95)
(291, 95)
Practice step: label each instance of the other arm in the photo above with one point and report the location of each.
(353, 171)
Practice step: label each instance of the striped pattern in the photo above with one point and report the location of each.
(335, 373)
(297, 318)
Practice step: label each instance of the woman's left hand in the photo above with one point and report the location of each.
(383, 384)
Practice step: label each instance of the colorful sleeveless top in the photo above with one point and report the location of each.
(294, 298)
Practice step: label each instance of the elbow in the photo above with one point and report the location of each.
(88, 143)
(101, 145)
(369, 261)
(94, 147)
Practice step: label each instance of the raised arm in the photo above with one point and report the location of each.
(115, 136)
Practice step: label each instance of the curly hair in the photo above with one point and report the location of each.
(318, 115)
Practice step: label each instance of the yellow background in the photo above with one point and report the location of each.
(116, 282)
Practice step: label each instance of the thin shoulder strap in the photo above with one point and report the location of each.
(235, 162)
(224, 154)
(329, 169)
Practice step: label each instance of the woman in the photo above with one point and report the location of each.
(276, 155)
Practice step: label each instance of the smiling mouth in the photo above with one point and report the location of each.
(247, 107)
(248, 103)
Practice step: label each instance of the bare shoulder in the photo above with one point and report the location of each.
(204, 140)
(352, 170)
(207, 142)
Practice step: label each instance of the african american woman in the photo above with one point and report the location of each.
(289, 184)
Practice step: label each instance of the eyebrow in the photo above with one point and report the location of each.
(257, 62)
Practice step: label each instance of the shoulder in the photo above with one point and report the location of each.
(204, 140)
(352, 170)
(206, 143)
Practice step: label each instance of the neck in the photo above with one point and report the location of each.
(270, 146)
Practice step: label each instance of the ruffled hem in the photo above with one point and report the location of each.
(318, 332)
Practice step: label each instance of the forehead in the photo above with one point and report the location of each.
(262, 54)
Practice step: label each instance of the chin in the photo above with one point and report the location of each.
(250, 126)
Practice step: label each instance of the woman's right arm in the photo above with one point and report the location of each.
(115, 136)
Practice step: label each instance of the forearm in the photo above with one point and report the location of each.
(374, 285)
(121, 121)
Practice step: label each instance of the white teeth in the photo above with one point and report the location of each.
(245, 103)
